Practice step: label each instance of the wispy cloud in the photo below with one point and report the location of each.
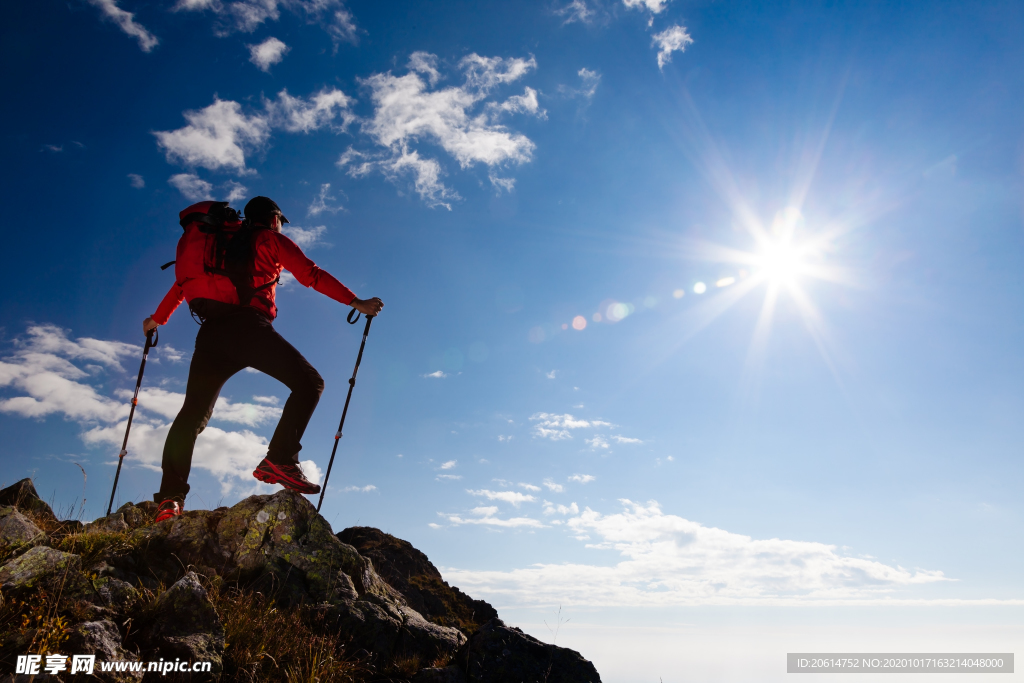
(306, 238)
(449, 465)
(589, 80)
(136, 181)
(624, 439)
(360, 489)
(449, 477)
(653, 6)
(557, 427)
(576, 10)
(673, 39)
(669, 560)
(552, 486)
(582, 478)
(408, 110)
(437, 374)
(552, 509)
(598, 442)
(529, 487)
(487, 516)
(248, 15)
(126, 22)
(512, 497)
(321, 202)
(268, 53)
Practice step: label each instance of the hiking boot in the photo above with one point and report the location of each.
(167, 509)
(289, 476)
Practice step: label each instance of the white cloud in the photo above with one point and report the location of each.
(360, 489)
(320, 204)
(550, 375)
(234, 190)
(268, 53)
(556, 427)
(552, 509)
(436, 374)
(655, 6)
(215, 138)
(306, 238)
(552, 486)
(450, 477)
(486, 516)
(589, 80)
(597, 442)
(502, 437)
(529, 487)
(625, 439)
(673, 39)
(52, 374)
(168, 352)
(449, 465)
(126, 22)
(136, 181)
(319, 110)
(513, 497)
(582, 478)
(576, 10)
(248, 15)
(407, 112)
(668, 560)
(191, 186)
(267, 400)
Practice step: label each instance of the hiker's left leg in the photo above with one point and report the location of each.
(273, 355)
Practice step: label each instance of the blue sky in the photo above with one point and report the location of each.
(790, 233)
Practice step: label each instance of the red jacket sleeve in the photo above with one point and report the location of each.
(175, 295)
(308, 273)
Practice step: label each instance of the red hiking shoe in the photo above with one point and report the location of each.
(167, 509)
(289, 476)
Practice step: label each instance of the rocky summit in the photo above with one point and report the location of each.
(262, 591)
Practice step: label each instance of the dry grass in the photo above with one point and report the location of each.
(265, 642)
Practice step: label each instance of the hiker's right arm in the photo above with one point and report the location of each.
(175, 295)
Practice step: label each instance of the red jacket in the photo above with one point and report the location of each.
(273, 251)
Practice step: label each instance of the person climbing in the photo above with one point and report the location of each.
(227, 270)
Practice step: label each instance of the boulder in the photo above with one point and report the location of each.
(411, 573)
(113, 523)
(23, 496)
(101, 638)
(136, 515)
(40, 567)
(186, 625)
(500, 654)
(18, 531)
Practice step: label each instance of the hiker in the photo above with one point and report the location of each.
(227, 270)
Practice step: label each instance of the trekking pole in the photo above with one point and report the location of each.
(152, 337)
(344, 412)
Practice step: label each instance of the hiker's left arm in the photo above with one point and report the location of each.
(308, 273)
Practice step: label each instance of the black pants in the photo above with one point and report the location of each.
(226, 344)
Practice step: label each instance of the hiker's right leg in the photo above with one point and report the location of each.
(212, 365)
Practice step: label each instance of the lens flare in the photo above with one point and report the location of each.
(700, 288)
(579, 323)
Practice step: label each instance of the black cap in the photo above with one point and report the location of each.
(260, 209)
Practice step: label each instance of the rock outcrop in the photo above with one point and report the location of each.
(128, 589)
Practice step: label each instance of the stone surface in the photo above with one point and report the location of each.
(500, 654)
(113, 523)
(39, 567)
(411, 573)
(102, 639)
(135, 515)
(187, 624)
(23, 496)
(448, 674)
(17, 530)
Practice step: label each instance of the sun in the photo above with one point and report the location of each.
(781, 263)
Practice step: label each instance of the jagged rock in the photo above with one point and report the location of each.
(412, 574)
(136, 515)
(23, 496)
(39, 567)
(500, 654)
(448, 674)
(113, 523)
(188, 625)
(115, 593)
(17, 530)
(101, 638)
